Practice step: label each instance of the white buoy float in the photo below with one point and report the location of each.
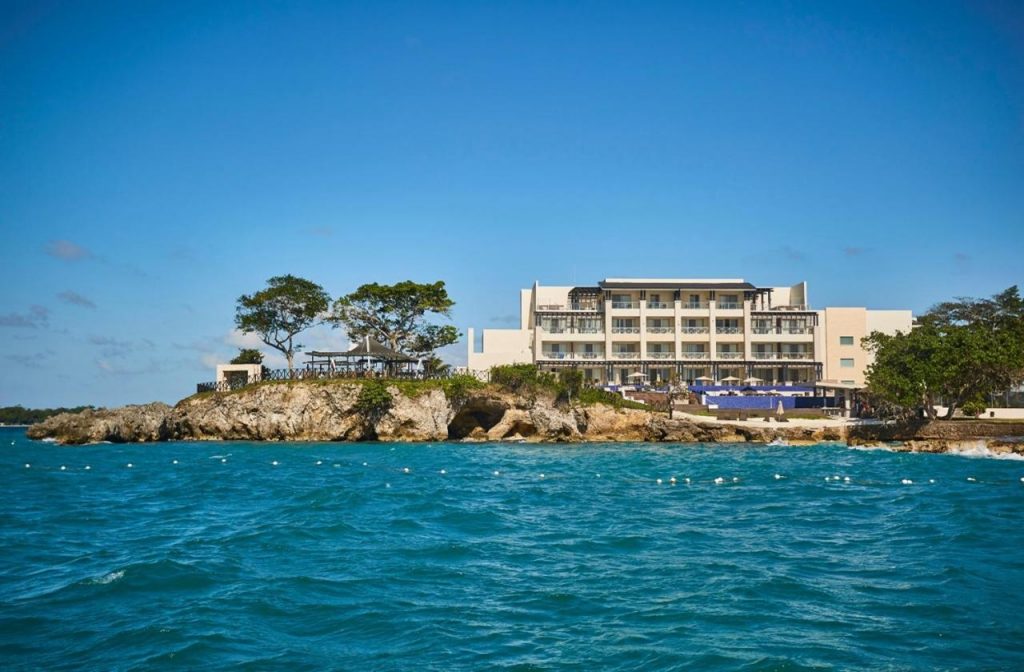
(497, 473)
(405, 470)
(87, 467)
(672, 480)
(907, 481)
(658, 481)
(223, 460)
(719, 480)
(846, 479)
(687, 481)
(274, 463)
(130, 465)
(931, 480)
(319, 462)
(443, 472)
(542, 475)
(174, 461)
(29, 466)
(735, 479)
(971, 479)
(63, 468)
(365, 464)
(1022, 480)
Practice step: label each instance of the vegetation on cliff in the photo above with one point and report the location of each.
(960, 354)
(19, 415)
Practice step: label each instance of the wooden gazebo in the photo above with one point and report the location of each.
(366, 357)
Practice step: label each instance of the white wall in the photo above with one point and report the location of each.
(500, 346)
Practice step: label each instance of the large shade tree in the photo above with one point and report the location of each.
(398, 316)
(962, 352)
(287, 307)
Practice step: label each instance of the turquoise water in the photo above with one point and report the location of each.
(242, 564)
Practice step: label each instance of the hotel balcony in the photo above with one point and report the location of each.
(729, 305)
(783, 356)
(660, 355)
(729, 355)
(772, 335)
(728, 330)
(695, 355)
(694, 309)
(625, 330)
(625, 355)
(596, 307)
(659, 305)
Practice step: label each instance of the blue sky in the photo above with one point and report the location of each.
(157, 160)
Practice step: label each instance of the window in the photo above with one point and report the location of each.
(846, 340)
(846, 362)
(848, 382)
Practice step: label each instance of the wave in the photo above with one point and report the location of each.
(981, 450)
(108, 578)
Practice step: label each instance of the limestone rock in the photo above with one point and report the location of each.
(423, 418)
(137, 423)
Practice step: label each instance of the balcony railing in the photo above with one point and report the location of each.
(557, 307)
(626, 355)
(625, 330)
(588, 355)
(657, 304)
(763, 355)
(624, 304)
(695, 330)
(729, 305)
(660, 355)
(659, 330)
(795, 355)
(783, 330)
(555, 355)
(694, 355)
(730, 355)
(728, 330)
(696, 305)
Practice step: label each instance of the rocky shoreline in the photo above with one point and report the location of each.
(329, 412)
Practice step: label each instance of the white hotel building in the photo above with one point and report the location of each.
(705, 331)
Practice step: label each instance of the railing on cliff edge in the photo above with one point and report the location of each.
(312, 374)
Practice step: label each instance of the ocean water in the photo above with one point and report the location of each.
(337, 558)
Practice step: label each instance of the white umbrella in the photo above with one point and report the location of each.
(638, 375)
(752, 380)
(780, 410)
(730, 379)
(706, 379)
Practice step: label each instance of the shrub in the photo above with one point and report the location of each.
(973, 408)
(374, 400)
(458, 387)
(522, 378)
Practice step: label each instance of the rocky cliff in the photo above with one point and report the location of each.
(328, 412)
(313, 411)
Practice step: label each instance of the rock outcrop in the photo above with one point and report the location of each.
(128, 424)
(316, 411)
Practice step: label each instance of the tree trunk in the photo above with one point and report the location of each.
(291, 359)
(950, 411)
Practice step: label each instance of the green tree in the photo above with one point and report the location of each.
(287, 307)
(248, 356)
(961, 352)
(397, 316)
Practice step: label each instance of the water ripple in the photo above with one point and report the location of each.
(250, 566)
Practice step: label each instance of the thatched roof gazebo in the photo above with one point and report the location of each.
(366, 356)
